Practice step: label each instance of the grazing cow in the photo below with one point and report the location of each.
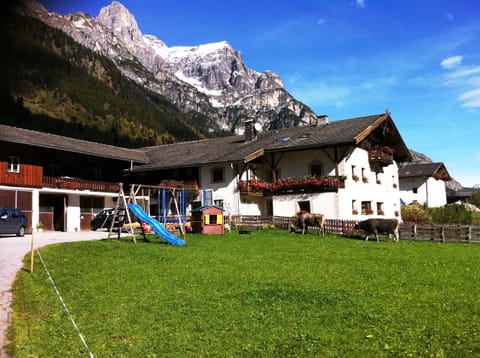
(305, 220)
(376, 226)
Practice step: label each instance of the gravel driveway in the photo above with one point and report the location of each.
(12, 251)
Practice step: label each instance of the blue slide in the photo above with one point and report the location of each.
(156, 226)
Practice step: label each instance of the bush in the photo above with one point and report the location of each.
(451, 214)
(475, 199)
(415, 213)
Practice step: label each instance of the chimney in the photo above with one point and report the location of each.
(323, 119)
(250, 132)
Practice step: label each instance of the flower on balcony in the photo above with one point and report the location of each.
(389, 149)
(356, 178)
(171, 183)
(354, 212)
(291, 184)
(365, 179)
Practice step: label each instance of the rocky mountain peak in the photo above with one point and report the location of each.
(117, 18)
(210, 79)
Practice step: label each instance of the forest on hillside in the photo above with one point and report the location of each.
(53, 84)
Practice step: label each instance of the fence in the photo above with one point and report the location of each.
(440, 233)
(258, 221)
(407, 231)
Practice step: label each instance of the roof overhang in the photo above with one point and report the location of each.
(402, 153)
(254, 155)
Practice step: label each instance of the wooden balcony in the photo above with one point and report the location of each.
(381, 156)
(27, 175)
(79, 184)
(291, 186)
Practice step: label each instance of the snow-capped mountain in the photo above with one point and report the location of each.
(211, 79)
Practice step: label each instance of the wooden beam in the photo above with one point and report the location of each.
(252, 156)
(367, 131)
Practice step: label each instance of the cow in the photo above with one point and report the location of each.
(376, 226)
(304, 220)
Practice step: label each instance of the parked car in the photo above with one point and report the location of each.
(13, 221)
(103, 220)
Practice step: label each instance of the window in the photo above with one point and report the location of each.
(415, 190)
(219, 203)
(380, 209)
(218, 175)
(207, 197)
(304, 206)
(13, 165)
(354, 207)
(367, 208)
(354, 174)
(316, 169)
(97, 174)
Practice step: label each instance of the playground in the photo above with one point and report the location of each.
(169, 206)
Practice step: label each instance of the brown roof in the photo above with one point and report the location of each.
(436, 170)
(235, 149)
(53, 141)
(348, 132)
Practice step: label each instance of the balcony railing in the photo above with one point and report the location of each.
(79, 184)
(382, 156)
(285, 186)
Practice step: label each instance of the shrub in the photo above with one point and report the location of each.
(415, 213)
(475, 199)
(451, 214)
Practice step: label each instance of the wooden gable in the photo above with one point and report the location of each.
(384, 143)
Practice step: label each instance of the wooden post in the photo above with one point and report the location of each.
(185, 232)
(443, 233)
(32, 252)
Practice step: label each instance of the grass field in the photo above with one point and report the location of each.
(270, 293)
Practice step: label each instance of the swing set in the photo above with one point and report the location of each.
(170, 209)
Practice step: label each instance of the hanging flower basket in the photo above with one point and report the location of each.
(291, 184)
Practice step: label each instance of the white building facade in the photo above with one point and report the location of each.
(424, 183)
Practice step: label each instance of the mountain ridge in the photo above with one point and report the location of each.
(218, 83)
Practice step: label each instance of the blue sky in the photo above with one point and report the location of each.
(418, 59)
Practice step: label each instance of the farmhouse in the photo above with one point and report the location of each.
(424, 183)
(344, 169)
(60, 181)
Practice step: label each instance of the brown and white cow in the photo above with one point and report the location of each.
(382, 226)
(304, 220)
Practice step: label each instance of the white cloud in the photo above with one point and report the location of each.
(465, 79)
(470, 99)
(451, 62)
(449, 17)
(321, 21)
(360, 3)
(464, 72)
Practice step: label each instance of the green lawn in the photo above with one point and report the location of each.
(270, 293)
